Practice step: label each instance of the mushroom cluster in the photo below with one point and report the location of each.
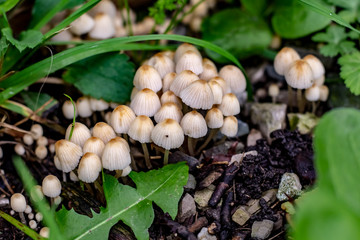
(301, 73)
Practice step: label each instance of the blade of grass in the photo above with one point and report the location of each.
(26, 77)
(73, 123)
(47, 17)
(22, 227)
(42, 205)
(321, 9)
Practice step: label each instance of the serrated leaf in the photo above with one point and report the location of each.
(27, 39)
(350, 71)
(293, 20)
(132, 206)
(108, 76)
(333, 34)
(237, 31)
(35, 100)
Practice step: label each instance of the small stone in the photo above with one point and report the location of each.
(253, 206)
(262, 230)
(238, 157)
(241, 216)
(4, 202)
(202, 197)
(191, 183)
(243, 128)
(253, 136)
(270, 196)
(205, 235)
(289, 186)
(268, 116)
(187, 208)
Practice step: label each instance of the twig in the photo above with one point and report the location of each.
(6, 182)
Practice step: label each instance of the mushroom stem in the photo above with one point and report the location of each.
(99, 188)
(89, 188)
(290, 98)
(118, 173)
(314, 105)
(22, 217)
(146, 155)
(64, 176)
(191, 143)
(166, 156)
(212, 133)
(273, 99)
(299, 101)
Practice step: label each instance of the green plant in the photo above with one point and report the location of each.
(331, 210)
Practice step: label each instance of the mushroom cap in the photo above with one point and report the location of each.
(36, 193)
(209, 72)
(167, 81)
(19, 149)
(316, 65)
(190, 60)
(103, 131)
(82, 25)
(68, 153)
(182, 80)
(312, 93)
(168, 134)
(80, 133)
(37, 131)
(324, 93)
(320, 80)
(121, 118)
(68, 110)
(28, 139)
(225, 87)
(104, 27)
(217, 91)
(147, 77)
(134, 91)
(51, 186)
(126, 171)
(94, 145)
(98, 104)
(104, 6)
(146, 102)
(83, 107)
(162, 63)
(230, 105)
(198, 95)
(234, 78)
(299, 75)
(285, 57)
(169, 96)
(45, 232)
(42, 141)
(140, 129)
(116, 154)
(230, 126)
(194, 125)
(89, 167)
(181, 49)
(18, 202)
(41, 152)
(273, 90)
(168, 110)
(214, 118)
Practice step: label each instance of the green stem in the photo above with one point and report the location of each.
(173, 21)
(166, 157)
(146, 155)
(128, 20)
(118, 173)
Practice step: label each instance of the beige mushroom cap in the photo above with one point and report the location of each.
(234, 78)
(116, 154)
(140, 129)
(230, 126)
(316, 65)
(51, 186)
(162, 63)
(312, 93)
(79, 135)
(190, 60)
(18, 202)
(103, 131)
(168, 110)
(94, 145)
(121, 118)
(182, 80)
(230, 105)
(68, 154)
(168, 134)
(299, 75)
(198, 95)
(194, 125)
(214, 118)
(147, 77)
(89, 167)
(146, 102)
(285, 57)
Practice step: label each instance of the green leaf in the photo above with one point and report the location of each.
(349, 4)
(132, 206)
(321, 215)
(292, 20)
(338, 156)
(158, 11)
(20, 80)
(7, 5)
(35, 100)
(350, 71)
(108, 76)
(325, 11)
(236, 31)
(255, 7)
(3, 46)
(44, 10)
(28, 39)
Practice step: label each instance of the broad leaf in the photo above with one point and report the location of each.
(338, 155)
(132, 206)
(350, 71)
(27, 39)
(237, 31)
(7, 5)
(293, 20)
(108, 76)
(35, 100)
(349, 4)
(256, 7)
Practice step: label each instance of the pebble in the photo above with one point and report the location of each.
(202, 197)
(253, 136)
(241, 215)
(205, 235)
(4, 202)
(253, 206)
(269, 117)
(270, 196)
(187, 208)
(191, 183)
(289, 186)
(262, 229)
